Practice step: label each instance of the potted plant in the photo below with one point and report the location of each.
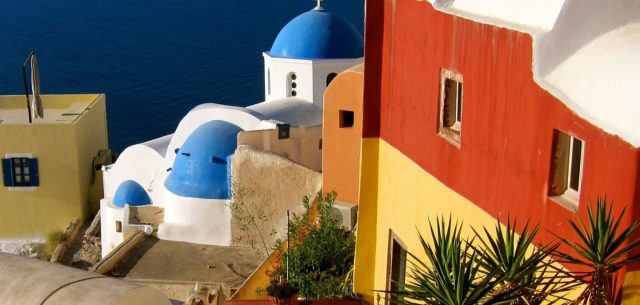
(282, 292)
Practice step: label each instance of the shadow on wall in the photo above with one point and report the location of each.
(269, 185)
(580, 22)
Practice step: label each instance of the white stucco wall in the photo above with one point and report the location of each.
(322, 68)
(522, 15)
(590, 62)
(295, 111)
(142, 163)
(109, 214)
(311, 76)
(280, 69)
(195, 220)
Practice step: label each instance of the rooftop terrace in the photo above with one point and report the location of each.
(58, 109)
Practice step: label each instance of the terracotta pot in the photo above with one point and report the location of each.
(293, 300)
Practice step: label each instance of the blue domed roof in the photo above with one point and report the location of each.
(131, 193)
(318, 34)
(201, 168)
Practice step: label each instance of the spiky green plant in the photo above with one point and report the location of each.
(520, 263)
(452, 273)
(604, 248)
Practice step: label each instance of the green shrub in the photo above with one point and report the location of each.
(53, 239)
(321, 253)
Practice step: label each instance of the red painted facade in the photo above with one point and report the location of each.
(503, 162)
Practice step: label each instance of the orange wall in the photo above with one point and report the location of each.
(507, 121)
(341, 146)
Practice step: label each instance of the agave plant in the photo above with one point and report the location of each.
(452, 273)
(520, 264)
(604, 248)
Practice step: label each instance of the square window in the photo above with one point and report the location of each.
(566, 168)
(346, 119)
(20, 172)
(450, 115)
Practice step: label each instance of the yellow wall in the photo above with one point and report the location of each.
(64, 151)
(91, 136)
(400, 196)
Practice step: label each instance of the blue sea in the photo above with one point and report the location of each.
(154, 59)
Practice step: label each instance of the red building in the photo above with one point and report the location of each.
(488, 108)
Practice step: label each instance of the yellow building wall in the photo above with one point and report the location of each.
(91, 137)
(400, 196)
(64, 152)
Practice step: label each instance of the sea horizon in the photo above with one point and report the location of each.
(154, 60)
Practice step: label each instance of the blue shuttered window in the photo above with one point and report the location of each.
(7, 175)
(20, 172)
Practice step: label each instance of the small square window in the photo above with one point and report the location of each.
(346, 119)
(20, 172)
(566, 168)
(450, 116)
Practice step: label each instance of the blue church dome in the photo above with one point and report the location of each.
(318, 34)
(131, 193)
(201, 167)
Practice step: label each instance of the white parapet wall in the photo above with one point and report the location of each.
(110, 215)
(195, 220)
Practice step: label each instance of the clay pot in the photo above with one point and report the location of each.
(293, 300)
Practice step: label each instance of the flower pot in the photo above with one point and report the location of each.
(292, 300)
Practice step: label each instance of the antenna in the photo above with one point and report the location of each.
(319, 5)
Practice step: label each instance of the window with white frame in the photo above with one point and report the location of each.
(450, 116)
(567, 163)
(20, 172)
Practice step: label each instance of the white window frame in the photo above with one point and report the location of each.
(570, 197)
(570, 192)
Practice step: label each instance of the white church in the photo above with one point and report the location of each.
(188, 172)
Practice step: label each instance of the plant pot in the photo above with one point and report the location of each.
(293, 300)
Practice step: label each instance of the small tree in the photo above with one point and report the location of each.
(604, 248)
(320, 253)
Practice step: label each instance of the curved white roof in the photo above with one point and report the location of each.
(590, 62)
(529, 16)
(295, 111)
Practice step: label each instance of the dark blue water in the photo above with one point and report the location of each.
(155, 59)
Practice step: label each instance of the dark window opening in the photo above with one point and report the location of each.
(330, 78)
(452, 112)
(397, 269)
(346, 119)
